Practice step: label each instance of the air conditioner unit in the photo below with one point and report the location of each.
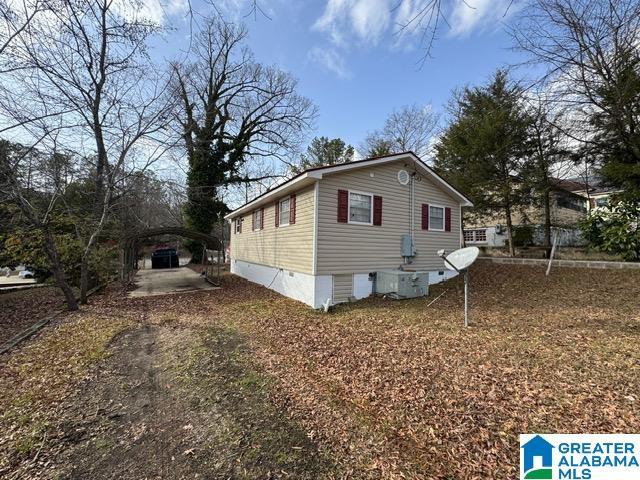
(400, 284)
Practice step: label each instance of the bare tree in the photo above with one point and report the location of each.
(82, 76)
(409, 128)
(589, 49)
(232, 110)
(15, 17)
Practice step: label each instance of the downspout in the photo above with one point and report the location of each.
(316, 195)
(413, 196)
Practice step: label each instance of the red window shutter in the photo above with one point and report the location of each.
(425, 216)
(253, 221)
(447, 219)
(278, 213)
(592, 203)
(261, 218)
(377, 210)
(292, 209)
(343, 206)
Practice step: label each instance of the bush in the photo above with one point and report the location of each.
(615, 229)
(523, 236)
(25, 246)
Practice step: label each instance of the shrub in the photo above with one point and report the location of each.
(615, 229)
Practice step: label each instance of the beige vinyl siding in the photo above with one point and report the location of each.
(289, 247)
(342, 287)
(349, 248)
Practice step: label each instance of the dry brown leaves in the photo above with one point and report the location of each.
(21, 309)
(38, 376)
(399, 390)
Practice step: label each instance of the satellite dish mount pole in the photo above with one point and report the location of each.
(466, 289)
(466, 297)
(471, 254)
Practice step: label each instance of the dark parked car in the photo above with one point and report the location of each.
(165, 258)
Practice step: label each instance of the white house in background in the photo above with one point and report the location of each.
(323, 234)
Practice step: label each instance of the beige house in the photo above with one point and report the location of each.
(322, 236)
(567, 208)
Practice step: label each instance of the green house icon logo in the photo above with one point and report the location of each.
(537, 462)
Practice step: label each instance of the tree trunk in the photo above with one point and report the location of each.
(547, 222)
(56, 268)
(84, 281)
(512, 250)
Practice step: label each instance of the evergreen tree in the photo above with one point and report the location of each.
(323, 151)
(485, 147)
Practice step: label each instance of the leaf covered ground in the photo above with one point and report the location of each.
(21, 309)
(386, 389)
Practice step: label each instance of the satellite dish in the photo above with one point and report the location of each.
(461, 259)
(403, 177)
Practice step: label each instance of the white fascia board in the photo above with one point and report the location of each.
(287, 187)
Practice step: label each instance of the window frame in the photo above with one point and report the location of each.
(473, 232)
(256, 220)
(285, 199)
(444, 219)
(354, 222)
(238, 225)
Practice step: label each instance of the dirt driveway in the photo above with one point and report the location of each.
(163, 401)
(175, 403)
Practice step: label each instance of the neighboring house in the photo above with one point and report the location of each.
(597, 194)
(322, 235)
(568, 207)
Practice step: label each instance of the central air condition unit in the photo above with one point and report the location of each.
(400, 284)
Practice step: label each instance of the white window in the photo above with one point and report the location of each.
(257, 219)
(239, 225)
(360, 208)
(475, 236)
(284, 212)
(436, 218)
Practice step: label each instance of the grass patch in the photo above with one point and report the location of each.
(37, 377)
(251, 437)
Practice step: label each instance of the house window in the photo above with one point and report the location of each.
(257, 219)
(436, 218)
(572, 203)
(602, 202)
(239, 225)
(360, 208)
(475, 236)
(284, 212)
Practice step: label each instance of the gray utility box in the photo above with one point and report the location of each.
(402, 284)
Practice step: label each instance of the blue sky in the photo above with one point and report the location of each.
(351, 61)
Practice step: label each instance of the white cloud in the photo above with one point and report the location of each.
(471, 15)
(331, 60)
(368, 19)
(366, 22)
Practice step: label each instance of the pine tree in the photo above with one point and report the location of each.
(485, 147)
